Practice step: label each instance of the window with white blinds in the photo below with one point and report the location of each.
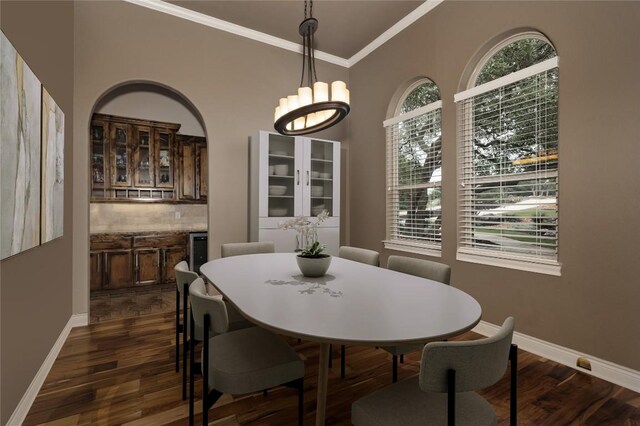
(508, 167)
(414, 191)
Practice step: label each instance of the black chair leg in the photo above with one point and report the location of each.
(192, 344)
(185, 347)
(451, 397)
(205, 372)
(395, 369)
(299, 385)
(177, 330)
(342, 360)
(402, 359)
(513, 357)
(301, 402)
(330, 357)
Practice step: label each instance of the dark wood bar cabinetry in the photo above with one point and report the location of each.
(121, 260)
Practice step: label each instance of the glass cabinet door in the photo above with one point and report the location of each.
(143, 175)
(99, 157)
(283, 176)
(165, 165)
(120, 155)
(321, 171)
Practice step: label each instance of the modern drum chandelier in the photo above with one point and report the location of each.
(311, 110)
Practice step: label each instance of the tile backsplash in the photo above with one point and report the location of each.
(134, 217)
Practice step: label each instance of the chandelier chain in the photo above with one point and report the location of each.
(310, 9)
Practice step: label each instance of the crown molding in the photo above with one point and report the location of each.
(219, 24)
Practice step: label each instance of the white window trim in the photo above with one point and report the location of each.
(413, 113)
(412, 247)
(507, 79)
(486, 257)
(552, 268)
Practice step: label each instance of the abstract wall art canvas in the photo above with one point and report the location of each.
(20, 125)
(52, 169)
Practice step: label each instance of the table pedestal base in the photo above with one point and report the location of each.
(323, 376)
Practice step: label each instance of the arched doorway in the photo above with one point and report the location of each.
(148, 203)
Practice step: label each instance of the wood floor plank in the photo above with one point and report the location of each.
(122, 372)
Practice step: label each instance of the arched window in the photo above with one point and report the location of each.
(508, 157)
(414, 174)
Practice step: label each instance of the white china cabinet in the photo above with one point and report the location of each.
(290, 177)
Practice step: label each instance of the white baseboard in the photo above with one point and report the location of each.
(21, 411)
(79, 320)
(600, 368)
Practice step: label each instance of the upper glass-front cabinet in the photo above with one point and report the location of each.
(298, 176)
(136, 160)
(321, 172)
(99, 156)
(120, 155)
(164, 140)
(143, 161)
(283, 176)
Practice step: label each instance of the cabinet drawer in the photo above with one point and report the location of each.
(109, 242)
(160, 241)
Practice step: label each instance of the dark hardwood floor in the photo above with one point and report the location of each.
(122, 372)
(129, 302)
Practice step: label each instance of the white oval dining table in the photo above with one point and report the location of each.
(353, 303)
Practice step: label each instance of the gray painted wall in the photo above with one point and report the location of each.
(593, 306)
(35, 286)
(234, 84)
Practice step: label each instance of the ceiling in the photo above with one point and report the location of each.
(345, 27)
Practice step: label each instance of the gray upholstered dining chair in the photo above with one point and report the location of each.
(369, 257)
(237, 249)
(238, 362)
(420, 268)
(443, 393)
(184, 277)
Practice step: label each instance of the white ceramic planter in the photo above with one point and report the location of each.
(313, 266)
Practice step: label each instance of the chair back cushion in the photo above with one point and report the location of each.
(184, 275)
(420, 268)
(361, 255)
(202, 304)
(478, 363)
(237, 249)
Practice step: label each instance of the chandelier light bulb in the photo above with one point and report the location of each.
(305, 96)
(320, 92)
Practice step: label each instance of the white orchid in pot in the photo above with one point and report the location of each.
(312, 260)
